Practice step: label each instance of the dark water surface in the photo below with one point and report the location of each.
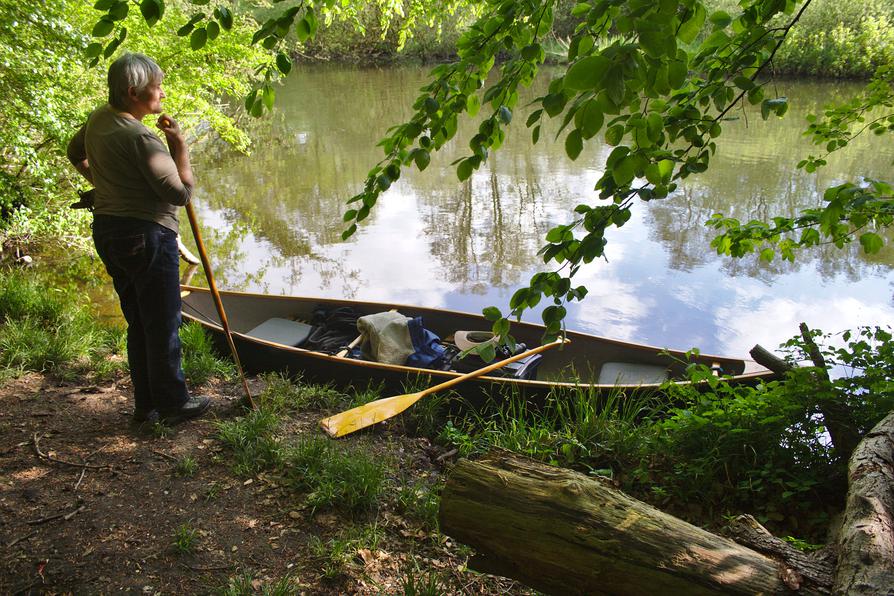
(273, 220)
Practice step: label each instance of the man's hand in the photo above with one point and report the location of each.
(178, 148)
(169, 126)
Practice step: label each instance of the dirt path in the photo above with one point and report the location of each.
(90, 505)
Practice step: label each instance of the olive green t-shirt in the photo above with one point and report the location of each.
(133, 172)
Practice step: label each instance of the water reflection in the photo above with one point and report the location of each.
(273, 221)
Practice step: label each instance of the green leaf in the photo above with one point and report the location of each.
(589, 118)
(721, 19)
(587, 73)
(111, 47)
(620, 217)
(200, 2)
(614, 134)
(871, 243)
(269, 96)
(303, 30)
(464, 170)
(492, 313)
(574, 144)
(690, 28)
(185, 29)
(198, 39)
(473, 104)
(224, 17)
(257, 108)
(580, 9)
(666, 168)
(349, 215)
(102, 27)
(624, 172)
(283, 63)
(349, 232)
(119, 11)
(104, 4)
(250, 99)
(93, 50)
(743, 83)
(677, 71)
(213, 30)
(151, 11)
(422, 158)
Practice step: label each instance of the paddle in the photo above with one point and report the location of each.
(382, 409)
(193, 223)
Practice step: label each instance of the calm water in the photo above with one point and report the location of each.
(273, 221)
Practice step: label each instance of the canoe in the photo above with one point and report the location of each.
(589, 362)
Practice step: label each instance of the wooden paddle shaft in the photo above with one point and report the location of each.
(206, 264)
(492, 367)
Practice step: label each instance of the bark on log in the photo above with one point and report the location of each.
(561, 532)
(866, 540)
(817, 567)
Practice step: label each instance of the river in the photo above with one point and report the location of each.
(273, 220)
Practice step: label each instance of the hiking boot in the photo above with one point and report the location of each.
(141, 416)
(191, 408)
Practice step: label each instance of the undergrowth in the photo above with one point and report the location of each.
(709, 450)
(45, 328)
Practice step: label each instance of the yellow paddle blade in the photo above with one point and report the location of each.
(374, 412)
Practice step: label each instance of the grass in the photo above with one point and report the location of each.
(200, 363)
(420, 500)
(245, 584)
(579, 427)
(415, 582)
(44, 328)
(186, 539)
(284, 395)
(186, 467)
(335, 477)
(253, 441)
(329, 474)
(337, 554)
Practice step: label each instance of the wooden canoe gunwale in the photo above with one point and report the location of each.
(538, 386)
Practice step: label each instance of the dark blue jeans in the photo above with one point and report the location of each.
(143, 260)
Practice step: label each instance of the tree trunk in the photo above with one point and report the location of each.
(561, 532)
(866, 540)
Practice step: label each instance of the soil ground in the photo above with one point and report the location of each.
(89, 504)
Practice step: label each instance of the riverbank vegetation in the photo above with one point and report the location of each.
(703, 454)
(833, 39)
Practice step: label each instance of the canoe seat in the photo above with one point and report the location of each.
(282, 331)
(630, 373)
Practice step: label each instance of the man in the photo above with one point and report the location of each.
(139, 184)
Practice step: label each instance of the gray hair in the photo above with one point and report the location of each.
(131, 70)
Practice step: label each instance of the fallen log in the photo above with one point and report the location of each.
(866, 539)
(562, 532)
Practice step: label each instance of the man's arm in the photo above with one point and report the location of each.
(178, 147)
(77, 154)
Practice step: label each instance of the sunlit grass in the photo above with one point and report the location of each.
(46, 329)
(200, 363)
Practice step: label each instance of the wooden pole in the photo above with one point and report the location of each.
(193, 223)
